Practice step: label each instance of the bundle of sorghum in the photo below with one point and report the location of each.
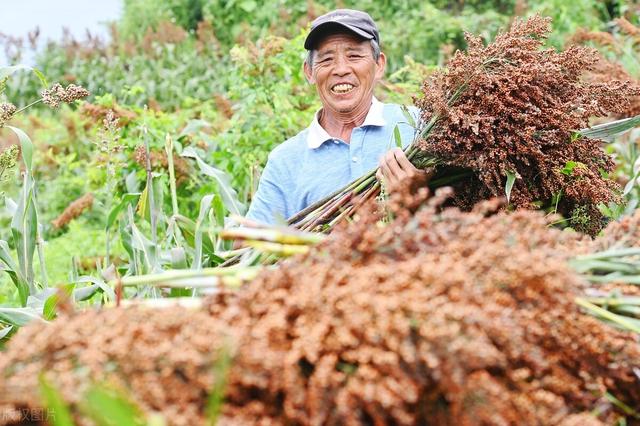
(441, 317)
(512, 108)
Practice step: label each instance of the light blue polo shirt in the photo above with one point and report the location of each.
(312, 164)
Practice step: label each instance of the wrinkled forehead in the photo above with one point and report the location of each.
(342, 41)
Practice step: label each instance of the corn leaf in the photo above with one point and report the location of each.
(94, 281)
(4, 332)
(50, 307)
(115, 211)
(188, 228)
(26, 147)
(179, 261)
(144, 246)
(11, 268)
(607, 131)
(19, 316)
(205, 206)
(24, 231)
(228, 194)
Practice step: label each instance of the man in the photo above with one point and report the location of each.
(350, 135)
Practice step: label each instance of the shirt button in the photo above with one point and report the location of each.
(354, 159)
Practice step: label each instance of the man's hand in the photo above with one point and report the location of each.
(396, 171)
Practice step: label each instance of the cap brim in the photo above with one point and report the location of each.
(323, 29)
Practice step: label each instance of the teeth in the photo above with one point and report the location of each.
(342, 88)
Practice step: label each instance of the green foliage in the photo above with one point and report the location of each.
(108, 406)
(569, 16)
(272, 102)
(58, 411)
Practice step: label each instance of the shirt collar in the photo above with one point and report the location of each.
(318, 135)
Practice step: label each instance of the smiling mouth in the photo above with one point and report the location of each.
(342, 88)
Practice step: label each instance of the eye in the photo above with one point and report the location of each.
(355, 56)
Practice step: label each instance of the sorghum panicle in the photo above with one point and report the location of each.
(6, 112)
(57, 94)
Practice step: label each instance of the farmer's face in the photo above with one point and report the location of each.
(345, 73)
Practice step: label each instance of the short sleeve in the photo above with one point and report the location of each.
(269, 204)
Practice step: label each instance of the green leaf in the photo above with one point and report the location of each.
(205, 206)
(24, 230)
(568, 168)
(8, 71)
(408, 116)
(179, 261)
(14, 272)
(228, 194)
(193, 127)
(188, 228)
(142, 209)
(511, 179)
(26, 147)
(110, 407)
(607, 131)
(50, 308)
(631, 184)
(4, 332)
(218, 211)
(115, 211)
(58, 413)
(397, 137)
(248, 5)
(19, 316)
(220, 373)
(145, 246)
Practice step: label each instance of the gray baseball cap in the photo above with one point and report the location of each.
(355, 21)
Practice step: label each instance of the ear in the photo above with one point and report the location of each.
(382, 63)
(308, 73)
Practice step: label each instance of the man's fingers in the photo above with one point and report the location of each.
(392, 163)
(403, 161)
(387, 173)
(386, 168)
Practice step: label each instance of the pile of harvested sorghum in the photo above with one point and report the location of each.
(440, 317)
(163, 357)
(512, 107)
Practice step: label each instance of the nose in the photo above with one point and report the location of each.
(341, 67)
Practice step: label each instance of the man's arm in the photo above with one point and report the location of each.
(269, 204)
